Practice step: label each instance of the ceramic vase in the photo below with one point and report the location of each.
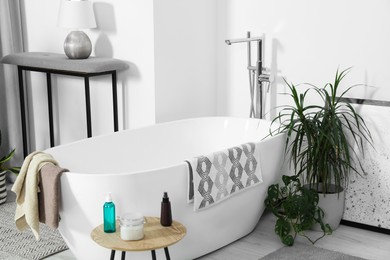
(333, 206)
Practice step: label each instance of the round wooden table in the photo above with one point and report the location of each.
(156, 236)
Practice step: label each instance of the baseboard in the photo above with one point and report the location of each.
(365, 227)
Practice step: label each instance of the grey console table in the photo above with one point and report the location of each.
(52, 63)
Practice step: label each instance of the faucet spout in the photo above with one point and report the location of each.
(249, 39)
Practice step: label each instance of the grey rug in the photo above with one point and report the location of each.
(307, 252)
(22, 245)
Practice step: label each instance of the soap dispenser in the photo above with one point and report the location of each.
(166, 213)
(109, 215)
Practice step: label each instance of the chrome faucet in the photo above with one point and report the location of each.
(258, 75)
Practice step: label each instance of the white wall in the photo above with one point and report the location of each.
(306, 41)
(125, 31)
(180, 66)
(185, 58)
(170, 46)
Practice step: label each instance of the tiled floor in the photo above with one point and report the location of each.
(262, 241)
(64, 255)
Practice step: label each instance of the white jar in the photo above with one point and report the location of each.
(132, 226)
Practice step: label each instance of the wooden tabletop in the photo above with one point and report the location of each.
(156, 236)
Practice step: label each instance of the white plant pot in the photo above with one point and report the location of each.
(3, 187)
(333, 207)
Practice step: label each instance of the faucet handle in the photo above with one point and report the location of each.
(266, 70)
(264, 77)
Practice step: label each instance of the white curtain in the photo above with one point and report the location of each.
(11, 41)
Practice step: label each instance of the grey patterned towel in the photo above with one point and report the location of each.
(215, 177)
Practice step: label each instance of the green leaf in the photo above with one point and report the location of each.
(296, 209)
(5, 159)
(282, 227)
(288, 240)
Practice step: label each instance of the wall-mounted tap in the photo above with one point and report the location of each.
(257, 74)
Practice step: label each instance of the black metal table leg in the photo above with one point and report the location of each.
(112, 254)
(167, 253)
(115, 100)
(50, 108)
(88, 106)
(22, 111)
(123, 255)
(153, 254)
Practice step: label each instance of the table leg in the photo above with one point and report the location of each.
(88, 106)
(115, 100)
(112, 254)
(123, 255)
(22, 111)
(167, 253)
(153, 254)
(50, 108)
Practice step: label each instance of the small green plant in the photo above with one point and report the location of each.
(5, 159)
(296, 210)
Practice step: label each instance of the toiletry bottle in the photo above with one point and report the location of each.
(166, 213)
(109, 215)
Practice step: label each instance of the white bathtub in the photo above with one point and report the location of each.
(137, 166)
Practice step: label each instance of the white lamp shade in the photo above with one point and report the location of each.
(76, 15)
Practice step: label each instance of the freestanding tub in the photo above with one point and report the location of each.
(137, 166)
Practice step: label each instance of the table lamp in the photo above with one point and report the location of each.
(77, 14)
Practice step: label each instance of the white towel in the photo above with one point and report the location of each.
(26, 190)
(217, 176)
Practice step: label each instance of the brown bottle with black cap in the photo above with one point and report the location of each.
(166, 213)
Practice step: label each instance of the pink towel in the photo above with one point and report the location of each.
(26, 189)
(49, 195)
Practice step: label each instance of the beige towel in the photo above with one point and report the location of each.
(26, 189)
(48, 196)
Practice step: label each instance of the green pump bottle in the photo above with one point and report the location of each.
(109, 215)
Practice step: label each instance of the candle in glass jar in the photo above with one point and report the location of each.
(132, 232)
(132, 226)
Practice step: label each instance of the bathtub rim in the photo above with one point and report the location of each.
(266, 138)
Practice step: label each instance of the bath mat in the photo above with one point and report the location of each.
(300, 251)
(22, 245)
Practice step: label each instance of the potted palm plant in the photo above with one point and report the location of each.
(3, 171)
(322, 141)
